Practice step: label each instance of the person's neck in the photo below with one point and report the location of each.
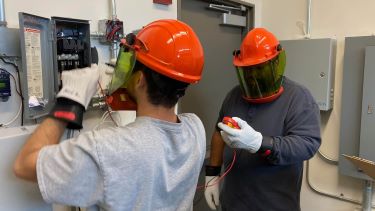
(157, 112)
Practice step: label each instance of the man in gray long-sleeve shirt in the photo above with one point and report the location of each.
(278, 128)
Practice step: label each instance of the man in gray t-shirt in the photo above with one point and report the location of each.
(150, 164)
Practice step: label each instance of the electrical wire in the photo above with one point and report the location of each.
(218, 179)
(323, 193)
(14, 118)
(196, 201)
(108, 107)
(328, 159)
(102, 119)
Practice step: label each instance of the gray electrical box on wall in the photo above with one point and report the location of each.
(49, 47)
(367, 137)
(311, 62)
(357, 104)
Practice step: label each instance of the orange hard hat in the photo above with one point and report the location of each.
(171, 48)
(259, 46)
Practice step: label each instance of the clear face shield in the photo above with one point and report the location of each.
(123, 69)
(263, 80)
(119, 98)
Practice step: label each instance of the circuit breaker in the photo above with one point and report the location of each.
(48, 47)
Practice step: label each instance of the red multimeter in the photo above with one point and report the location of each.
(231, 122)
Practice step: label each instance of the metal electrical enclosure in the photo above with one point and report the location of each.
(10, 42)
(49, 46)
(367, 135)
(311, 62)
(357, 99)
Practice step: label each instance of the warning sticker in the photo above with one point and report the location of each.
(34, 62)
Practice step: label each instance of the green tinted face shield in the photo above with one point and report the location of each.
(263, 80)
(124, 68)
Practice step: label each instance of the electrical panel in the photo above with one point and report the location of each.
(72, 43)
(357, 104)
(311, 62)
(48, 47)
(10, 42)
(367, 133)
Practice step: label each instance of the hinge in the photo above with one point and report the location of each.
(51, 35)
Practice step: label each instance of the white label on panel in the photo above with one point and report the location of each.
(34, 62)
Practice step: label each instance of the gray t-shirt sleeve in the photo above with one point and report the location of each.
(70, 173)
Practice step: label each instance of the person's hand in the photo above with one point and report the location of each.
(244, 138)
(211, 192)
(80, 85)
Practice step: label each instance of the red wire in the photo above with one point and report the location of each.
(222, 176)
(109, 112)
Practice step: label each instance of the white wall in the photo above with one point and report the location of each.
(334, 19)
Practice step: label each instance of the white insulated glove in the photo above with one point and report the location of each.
(212, 193)
(244, 138)
(80, 85)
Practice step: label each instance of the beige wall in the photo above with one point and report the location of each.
(333, 19)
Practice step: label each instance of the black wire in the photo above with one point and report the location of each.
(19, 85)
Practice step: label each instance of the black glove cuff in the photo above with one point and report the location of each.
(69, 111)
(213, 170)
(267, 146)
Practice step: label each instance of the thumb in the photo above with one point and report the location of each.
(240, 122)
(227, 129)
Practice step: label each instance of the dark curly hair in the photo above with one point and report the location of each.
(161, 89)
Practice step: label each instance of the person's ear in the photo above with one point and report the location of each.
(141, 80)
